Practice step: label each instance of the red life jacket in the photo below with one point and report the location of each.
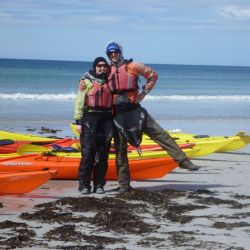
(121, 80)
(99, 96)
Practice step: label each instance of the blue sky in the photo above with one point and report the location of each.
(209, 32)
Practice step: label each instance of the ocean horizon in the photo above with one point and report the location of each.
(190, 97)
(176, 64)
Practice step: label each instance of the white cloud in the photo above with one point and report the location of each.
(3, 14)
(129, 14)
(105, 18)
(235, 12)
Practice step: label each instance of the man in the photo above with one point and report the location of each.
(123, 82)
(94, 122)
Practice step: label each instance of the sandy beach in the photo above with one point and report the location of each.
(207, 209)
(188, 63)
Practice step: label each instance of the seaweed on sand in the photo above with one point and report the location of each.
(68, 233)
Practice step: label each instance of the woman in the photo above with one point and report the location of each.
(93, 117)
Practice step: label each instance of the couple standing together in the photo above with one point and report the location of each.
(108, 97)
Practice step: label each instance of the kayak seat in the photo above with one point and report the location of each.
(201, 136)
(4, 142)
(64, 149)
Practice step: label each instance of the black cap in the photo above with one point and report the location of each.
(97, 60)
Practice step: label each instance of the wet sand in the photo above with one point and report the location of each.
(207, 209)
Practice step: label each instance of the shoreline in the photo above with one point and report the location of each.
(215, 127)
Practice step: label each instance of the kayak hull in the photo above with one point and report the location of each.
(24, 137)
(68, 166)
(238, 142)
(209, 146)
(23, 182)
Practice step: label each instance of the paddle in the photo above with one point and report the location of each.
(31, 149)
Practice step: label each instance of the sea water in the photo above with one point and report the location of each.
(193, 98)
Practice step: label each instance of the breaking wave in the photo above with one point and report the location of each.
(198, 97)
(72, 96)
(25, 96)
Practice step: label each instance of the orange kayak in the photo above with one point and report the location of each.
(23, 182)
(68, 166)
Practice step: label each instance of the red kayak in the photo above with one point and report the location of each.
(9, 146)
(68, 166)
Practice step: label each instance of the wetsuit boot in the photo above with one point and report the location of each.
(187, 164)
(83, 189)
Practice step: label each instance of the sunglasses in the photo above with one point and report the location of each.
(102, 65)
(113, 52)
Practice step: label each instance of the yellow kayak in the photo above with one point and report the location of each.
(24, 137)
(236, 142)
(31, 149)
(240, 140)
(233, 143)
(207, 145)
